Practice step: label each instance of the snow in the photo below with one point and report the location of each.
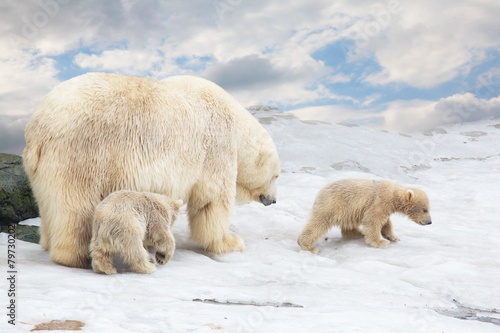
(435, 275)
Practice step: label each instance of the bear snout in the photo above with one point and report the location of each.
(267, 200)
(426, 222)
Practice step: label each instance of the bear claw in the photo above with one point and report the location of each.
(161, 258)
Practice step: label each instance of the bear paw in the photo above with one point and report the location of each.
(104, 270)
(103, 267)
(392, 238)
(108, 271)
(161, 258)
(380, 244)
(313, 250)
(229, 243)
(147, 268)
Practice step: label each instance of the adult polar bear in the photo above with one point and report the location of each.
(184, 137)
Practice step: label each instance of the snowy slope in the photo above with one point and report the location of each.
(433, 276)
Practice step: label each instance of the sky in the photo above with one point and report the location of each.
(398, 65)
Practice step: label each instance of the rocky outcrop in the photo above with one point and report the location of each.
(16, 198)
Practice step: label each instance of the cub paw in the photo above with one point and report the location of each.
(382, 244)
(161, 258)
(392, 238)
(146, 269)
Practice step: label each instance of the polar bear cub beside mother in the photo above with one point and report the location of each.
(126, 223)
(183, 137)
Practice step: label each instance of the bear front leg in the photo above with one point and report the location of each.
(388, 233)
(372, 229)
(209, 224)
(315, 228)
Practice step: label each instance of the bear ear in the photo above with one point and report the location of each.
(178, 204)
(410, 195)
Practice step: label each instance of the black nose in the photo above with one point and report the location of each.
(266, 200)
(429, 222)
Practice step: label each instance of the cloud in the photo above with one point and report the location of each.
(247, 72)
(339, 113)
(125, 61)
(427, 115)
(408, 116)
(12, 134)
(429, 43)
(263, 52)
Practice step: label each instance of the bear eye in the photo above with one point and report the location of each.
(425, 210)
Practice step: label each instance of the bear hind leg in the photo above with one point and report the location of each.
(138, 257)
(102, 261)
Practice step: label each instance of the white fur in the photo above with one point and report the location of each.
(186, 138)
(128, 222)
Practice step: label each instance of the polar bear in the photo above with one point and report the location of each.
(351, 203)
(126, 223)
(184, 137)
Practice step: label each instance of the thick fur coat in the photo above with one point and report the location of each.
(352, 203)
(184, 137)
(126, 223)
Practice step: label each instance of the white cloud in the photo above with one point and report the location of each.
(427, 115)
(431, 42)
(339, 113)
(125, 61)
(261, 51)
(413, 115)
(339, 78)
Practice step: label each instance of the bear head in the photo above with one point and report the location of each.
(417, 206)
(257, 175)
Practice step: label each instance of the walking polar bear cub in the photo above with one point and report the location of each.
(184, 137)
(128, 222)
(351, 203)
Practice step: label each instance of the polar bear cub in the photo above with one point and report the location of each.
(351, 203)
(126, 223)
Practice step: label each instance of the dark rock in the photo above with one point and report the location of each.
(17, 202)
(27, 233)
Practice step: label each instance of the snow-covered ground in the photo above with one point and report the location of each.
(435, 275)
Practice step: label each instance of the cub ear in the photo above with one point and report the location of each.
(178, 204)
(410, 195)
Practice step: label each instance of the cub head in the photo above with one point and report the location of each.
(417, 206)
(257, 175)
